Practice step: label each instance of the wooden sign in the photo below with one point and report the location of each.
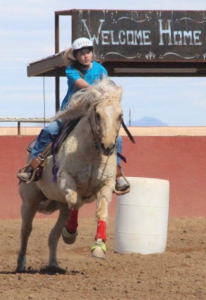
(144, 36)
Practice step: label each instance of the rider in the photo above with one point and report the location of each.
(80, 74)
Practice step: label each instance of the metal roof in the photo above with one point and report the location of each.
(54, 66)
(47, 66)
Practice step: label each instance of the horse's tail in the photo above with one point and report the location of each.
(48, 207)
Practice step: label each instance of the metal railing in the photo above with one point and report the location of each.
(25, 120)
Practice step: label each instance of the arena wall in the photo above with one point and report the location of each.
(177, 158)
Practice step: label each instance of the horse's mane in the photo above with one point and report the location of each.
(87, 98)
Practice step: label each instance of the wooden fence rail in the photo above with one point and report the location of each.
(25, 120)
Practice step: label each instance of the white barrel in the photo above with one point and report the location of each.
(142, 217)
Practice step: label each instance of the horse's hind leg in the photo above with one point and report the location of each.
(54, 237)
(28, 214)
(28, 210)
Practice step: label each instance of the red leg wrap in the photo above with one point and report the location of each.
(101, 231)
(72, 224)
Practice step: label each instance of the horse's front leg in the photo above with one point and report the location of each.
(69, 232)
(103, 199)
(67, 186)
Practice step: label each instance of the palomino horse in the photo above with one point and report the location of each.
(86, 163)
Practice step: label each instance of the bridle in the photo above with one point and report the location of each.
(95, 131)
(96, 134)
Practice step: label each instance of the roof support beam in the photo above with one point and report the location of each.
(57, 90)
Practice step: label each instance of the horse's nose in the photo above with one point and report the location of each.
(108, 150)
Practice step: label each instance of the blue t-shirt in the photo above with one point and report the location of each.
(90, 76)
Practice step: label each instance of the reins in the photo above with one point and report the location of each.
(128, 132)
(96, 136)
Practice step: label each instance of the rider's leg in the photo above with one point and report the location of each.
(119, 149)
(123, 185)
(46, 136)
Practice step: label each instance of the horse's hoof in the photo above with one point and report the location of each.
(99, 249)
(21, 264)
(20, 270)
(69, 238)
(52, 270)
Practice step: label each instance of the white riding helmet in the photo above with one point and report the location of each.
(81, 43)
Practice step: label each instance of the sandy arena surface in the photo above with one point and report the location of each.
(178, 273)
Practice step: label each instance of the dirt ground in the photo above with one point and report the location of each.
(178, 273)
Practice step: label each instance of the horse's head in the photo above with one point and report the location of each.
(101, 103)
(107, 117)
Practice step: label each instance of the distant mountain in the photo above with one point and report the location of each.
(148, 121)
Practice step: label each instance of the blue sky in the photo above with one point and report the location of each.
(27, 35)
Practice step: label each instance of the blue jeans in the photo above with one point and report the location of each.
(50, 132)
(46, 136)
(119, 148)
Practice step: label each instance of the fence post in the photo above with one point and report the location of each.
(19, 127)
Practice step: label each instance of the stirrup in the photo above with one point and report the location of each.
(34, 177)
(121, 173)
(119, 193)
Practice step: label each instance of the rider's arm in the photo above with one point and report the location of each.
(81, 83)
(74, 79)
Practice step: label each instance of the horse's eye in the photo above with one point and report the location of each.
(97, 115)
(120, 117)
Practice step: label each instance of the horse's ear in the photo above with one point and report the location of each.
(119, 93)
(96, 93)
